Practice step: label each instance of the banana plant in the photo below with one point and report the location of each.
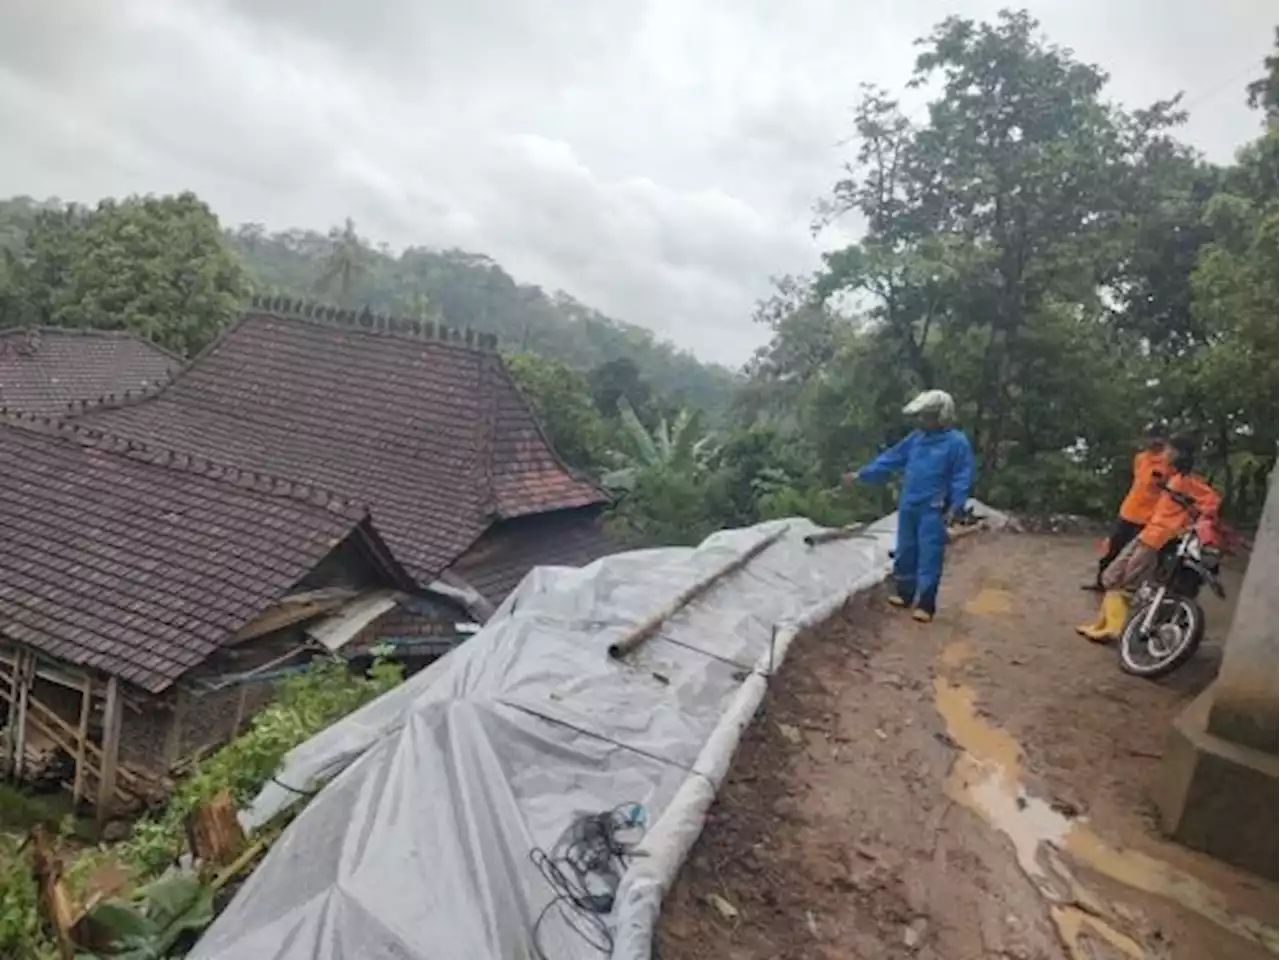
(154, 921)
(676, 446)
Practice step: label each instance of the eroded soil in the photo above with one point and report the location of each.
(972, 789)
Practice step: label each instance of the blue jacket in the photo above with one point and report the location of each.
(937, 469)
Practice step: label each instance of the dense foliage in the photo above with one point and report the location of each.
(1067, 269)
(155, 265)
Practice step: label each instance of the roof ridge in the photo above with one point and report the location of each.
(257, 481)
(580, 475)
(486, 432)
(114, 401)
(46, 329)
(367, 321)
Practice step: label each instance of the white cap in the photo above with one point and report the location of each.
(933, 401)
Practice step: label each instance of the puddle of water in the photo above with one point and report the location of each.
(986, 778)
(1072, 923)
(990, 603)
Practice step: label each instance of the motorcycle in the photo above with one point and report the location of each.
(1167, 622)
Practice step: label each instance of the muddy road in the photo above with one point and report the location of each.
(973, 789)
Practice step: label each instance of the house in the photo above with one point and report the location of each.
(47, 370)
(139, 584)
(422, 423)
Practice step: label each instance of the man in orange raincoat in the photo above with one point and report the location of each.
(1150, 470)
(1138, 559)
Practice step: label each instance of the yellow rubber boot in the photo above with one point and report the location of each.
(1096, 630)
(1115, 603)
(1111, 619)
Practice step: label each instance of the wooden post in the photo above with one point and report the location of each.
(242, 702)
(173, 739)
(10, 731)
(111, 722)
(82, 737)
(23, 667)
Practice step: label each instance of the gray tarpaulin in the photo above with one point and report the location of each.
(417, 847)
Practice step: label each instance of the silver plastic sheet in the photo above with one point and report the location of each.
(417, 846)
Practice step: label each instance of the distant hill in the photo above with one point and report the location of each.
(458, 288)
(470, 289)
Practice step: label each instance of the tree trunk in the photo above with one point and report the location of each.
(213, 832)
(55, 903)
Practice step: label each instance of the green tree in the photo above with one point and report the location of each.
(563, 406)
(993, 227)
(615, 381)
(1264, 93)
(345, 264)
(155, 265)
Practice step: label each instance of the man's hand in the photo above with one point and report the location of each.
(850, 478)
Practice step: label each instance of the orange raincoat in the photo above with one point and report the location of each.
(1169, 518)
(1150, 468)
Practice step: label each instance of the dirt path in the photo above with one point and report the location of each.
(970, 790)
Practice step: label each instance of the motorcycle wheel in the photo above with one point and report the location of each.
(1174, 637)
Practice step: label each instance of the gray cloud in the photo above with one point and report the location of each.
(657, 159)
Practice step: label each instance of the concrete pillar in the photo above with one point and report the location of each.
(1244, 708)
(1217, 785)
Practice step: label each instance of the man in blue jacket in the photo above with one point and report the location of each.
(937, 466)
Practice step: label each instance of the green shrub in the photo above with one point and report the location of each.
(304, 705)
(20, 933)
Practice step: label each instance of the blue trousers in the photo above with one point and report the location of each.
(917, 559)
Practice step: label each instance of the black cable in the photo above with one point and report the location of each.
(584, 868)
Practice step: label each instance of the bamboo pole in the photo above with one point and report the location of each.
(82, 739)
(111, 726)
(246, 857)
(24, 696)
(852, 532)
(651, 626)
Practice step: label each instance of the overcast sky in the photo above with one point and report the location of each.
(658, 159)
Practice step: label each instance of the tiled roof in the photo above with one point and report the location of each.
(498, 561)
(428, 430)
(45, 370)
(139, 562)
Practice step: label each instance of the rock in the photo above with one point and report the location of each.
(1068, 808)
(913, 933)
(791, 733)
(115, 831)
(723, 906)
